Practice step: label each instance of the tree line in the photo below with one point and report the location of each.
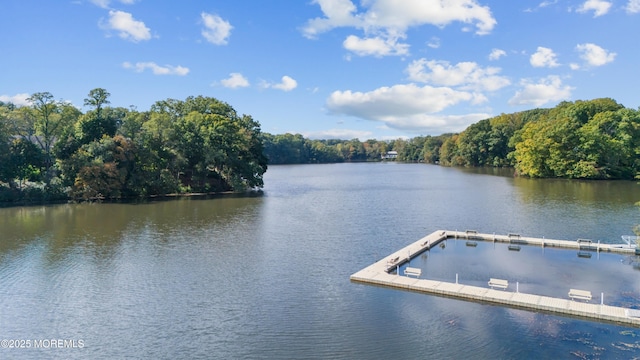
(595, 139)
(50, 150)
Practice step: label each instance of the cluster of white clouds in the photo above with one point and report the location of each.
(383, 23)
(437, 85)
(412, 107)
(156, 69)
(380, 28)
(215, 30)
(591, 54)
(598, 7)
(467, 76)
(549, 88)
(602, 7)
(237, 80)
(405, 106)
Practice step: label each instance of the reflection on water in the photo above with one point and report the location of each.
(268, 276)
(534, 270)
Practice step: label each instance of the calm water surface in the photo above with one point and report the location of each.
(268, 276)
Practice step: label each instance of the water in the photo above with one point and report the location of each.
(268, 276)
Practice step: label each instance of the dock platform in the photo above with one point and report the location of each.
(381, 273)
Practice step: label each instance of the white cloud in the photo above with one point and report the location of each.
(599, 7)
(594, 55)
(157, 69)
(338, 13)
(341, 134)
(235, 80)
(375, 46)
(287, 84)
(17, 99)
(633, 6)
(497, 54)
(434, 42)
(547, 3)
(128, 28)
(395, 101)
(543, 57)
(408, 107)
(385, 21)
(105, 3)
(216, 30)
(101, 3)
(465, 75)
(542, 5)
(537, 94)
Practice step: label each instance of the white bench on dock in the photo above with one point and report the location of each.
(498, 283)
(580, 294)
(410, 271)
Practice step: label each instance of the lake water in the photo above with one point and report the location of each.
(267, 276)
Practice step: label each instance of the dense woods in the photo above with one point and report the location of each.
(596, 139)
(50, 150)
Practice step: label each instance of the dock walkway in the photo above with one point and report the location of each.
(380, 273)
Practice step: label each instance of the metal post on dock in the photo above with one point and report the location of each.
(601, 298)
(517, 287)
(456, 278)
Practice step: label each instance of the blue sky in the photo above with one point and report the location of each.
(343, 69)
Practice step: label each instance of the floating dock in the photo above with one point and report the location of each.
(382, 273)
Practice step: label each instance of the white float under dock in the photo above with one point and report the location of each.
(381, 273)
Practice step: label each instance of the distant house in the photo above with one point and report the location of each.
(390, 155)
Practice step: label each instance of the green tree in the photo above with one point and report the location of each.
(610, 144)
(7, 171)
(104, 169)
(50, 119)
(221, 150)
(585, 139)
(96, 99)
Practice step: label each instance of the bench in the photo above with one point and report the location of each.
(498, 283)
(410, 271)
(580, 294)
